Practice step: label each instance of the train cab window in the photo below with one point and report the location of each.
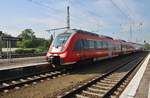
(59, 42)
(61, 39)
(78, 45)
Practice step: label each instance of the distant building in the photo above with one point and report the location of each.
(5, 38)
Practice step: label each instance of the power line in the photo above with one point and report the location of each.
(46, 6)
(56, 10)
(122, 12)
(129, 10)
(89, 11)
(76, 18)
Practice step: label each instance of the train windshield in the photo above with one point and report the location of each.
(59, 42)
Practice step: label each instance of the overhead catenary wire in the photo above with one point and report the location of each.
(77, 18)
(49, 8)
(120, 10)
(57, 10)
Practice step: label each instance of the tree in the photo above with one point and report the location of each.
(30, 41)
(147, 46)
(25, 44)
(27, 34)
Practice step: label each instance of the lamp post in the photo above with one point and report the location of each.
(0, 44)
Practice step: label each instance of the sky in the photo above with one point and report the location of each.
(121, 19)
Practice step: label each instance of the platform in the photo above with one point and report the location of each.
(143, 90)
(139, 86)
(21, 62)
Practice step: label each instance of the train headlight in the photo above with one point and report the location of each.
(48, 54)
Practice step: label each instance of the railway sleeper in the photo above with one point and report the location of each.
(116, 93)
(105, 84)
(114, 77)
(113, 96)
(112, 80)
(101, 87)
(119, 89)
(14, 82)
(36, 77)
(23, 80)
(80, 96)
(5, 84)
(91, 94)
(29, 78)
(43, 75)
(108, 82)
(95, 90)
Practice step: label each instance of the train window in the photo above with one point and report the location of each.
(78, 45)
(85, 44)
(91, 44)
(95, 44)
(99, 44)
(109, 46)
(118, 48)
(105, 45)
(113, 47)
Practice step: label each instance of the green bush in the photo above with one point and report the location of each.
(39, 50)
(26, 50)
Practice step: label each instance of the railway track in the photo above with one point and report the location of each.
(5, 86)
(109, 85)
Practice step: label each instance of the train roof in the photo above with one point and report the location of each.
(103, 36)
(73, 31)
(85, 32)
(93, 34)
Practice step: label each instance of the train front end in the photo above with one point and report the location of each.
(58, 50)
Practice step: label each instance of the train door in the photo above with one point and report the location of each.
(82, 52)
(121, 50)
(109, 49)
(77, 49)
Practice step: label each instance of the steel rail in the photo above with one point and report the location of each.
(20, 82)
(77, 91)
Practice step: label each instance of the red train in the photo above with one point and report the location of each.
(76, 45)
